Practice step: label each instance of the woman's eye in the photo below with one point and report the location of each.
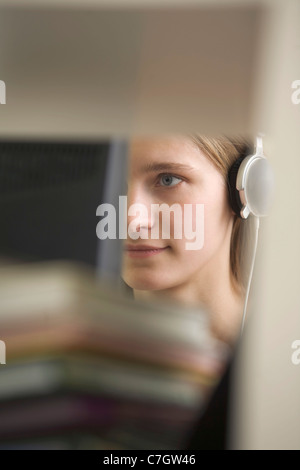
(169, 180)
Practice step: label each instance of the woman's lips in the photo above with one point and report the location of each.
(142, 251)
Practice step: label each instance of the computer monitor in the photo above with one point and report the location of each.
(49, 193)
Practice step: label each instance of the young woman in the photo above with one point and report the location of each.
(187, 170)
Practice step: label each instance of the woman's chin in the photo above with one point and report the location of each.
(142, 283)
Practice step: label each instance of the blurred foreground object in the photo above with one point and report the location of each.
(104, 70)
(87, 368)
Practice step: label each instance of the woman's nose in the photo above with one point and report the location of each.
(139, 216)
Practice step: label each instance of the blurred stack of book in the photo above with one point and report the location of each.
(90, 368)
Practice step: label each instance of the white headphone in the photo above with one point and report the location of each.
(251, 189)
(251, 184)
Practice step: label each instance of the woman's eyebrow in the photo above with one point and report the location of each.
(161, 166)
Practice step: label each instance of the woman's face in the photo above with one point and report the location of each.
(173, 170)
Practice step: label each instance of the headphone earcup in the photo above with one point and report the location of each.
(251, 186)
(234, 196)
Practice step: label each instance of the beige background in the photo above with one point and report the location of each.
(267, 403)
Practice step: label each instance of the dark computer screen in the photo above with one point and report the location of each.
(49, 192)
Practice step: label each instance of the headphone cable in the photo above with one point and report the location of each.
(251, 272)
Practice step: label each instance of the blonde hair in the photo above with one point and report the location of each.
(223, 152)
